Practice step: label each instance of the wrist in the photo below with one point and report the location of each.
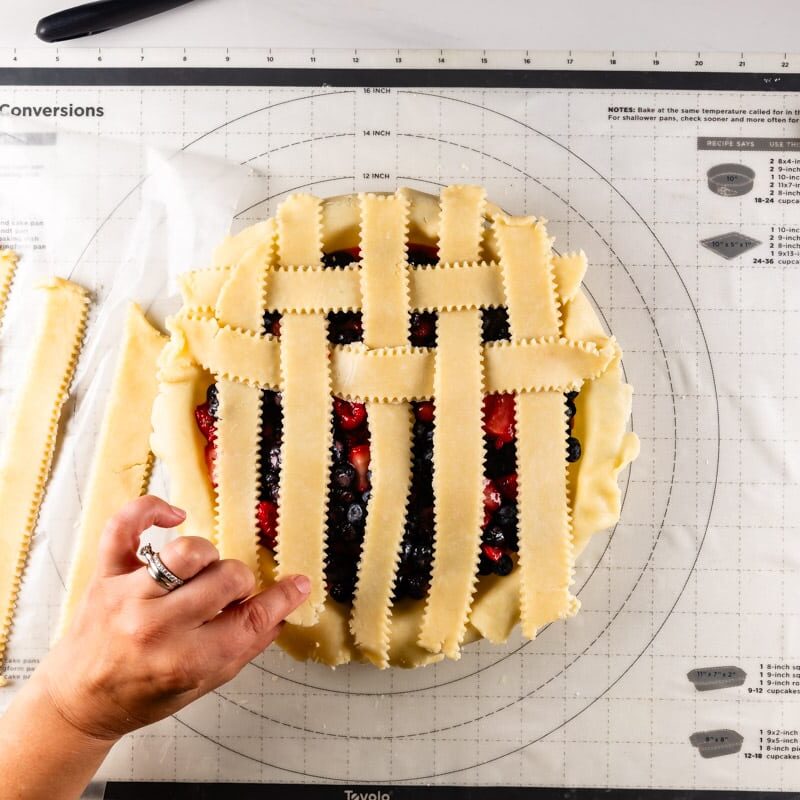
(47, 704)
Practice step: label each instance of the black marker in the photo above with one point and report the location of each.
(100, 16)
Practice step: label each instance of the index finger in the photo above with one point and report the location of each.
(120, 540)
(242, 631)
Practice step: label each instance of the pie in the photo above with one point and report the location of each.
(407, 398)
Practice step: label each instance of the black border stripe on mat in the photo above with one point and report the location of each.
(483, 78)
(248, 791)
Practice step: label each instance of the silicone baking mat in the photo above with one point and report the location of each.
(683, 668)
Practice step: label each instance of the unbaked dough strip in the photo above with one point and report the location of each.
(315, 289)
(448, 287)
(306, 457)
(29, 443)
(121, 462)
(546, 558)
(237, 465)
(457, 480)
(568, 271)
(444, 287)
(530, 288)
(232, 353)
(390, 435)
(237, 471)
(307, 422)
(176, 440)
(200, 288)
(8, 266)
(397, 373)
(384, 271)
(458, 452)
(384, 287)
(536, 365)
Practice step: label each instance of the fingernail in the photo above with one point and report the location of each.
(302, 583)
(179, 512)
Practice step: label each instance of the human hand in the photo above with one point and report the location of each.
(136, 653)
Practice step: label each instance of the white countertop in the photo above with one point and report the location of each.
(643, 25)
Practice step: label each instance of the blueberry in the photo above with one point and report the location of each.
(573, 449)
(345, 327)
(506, 515)
(274, 458)
(421, 258)
(571, 410)
(339, 258)
(503, 565)
(421, 557)
(485, 565)
(342, 496)
(355, 514)
(270, 318)
(342, 592)
(417, 586)
(338, 571)
(343, 475)
(212, 398)
(400, 588)
(495, 324)
(344, 533)
(339, 451)
(502, 461)
(270, 478)
(571, 395)
(494, 535)
(269, 491)
(365, 497)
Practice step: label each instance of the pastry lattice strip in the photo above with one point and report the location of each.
(546, 559)
(306, 449)
(393, 374)
(31, 437)
(384, 280)
(446, 287)
(458, 438)
(8, 266)
(122, 459)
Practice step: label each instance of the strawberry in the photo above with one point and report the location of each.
(508, 486)
(492, 553)
(350, 415)
(424, 411)
(267, 515)
(211, 457)
(498, 418)
(359, 457)
(491, 495)
(206, 422)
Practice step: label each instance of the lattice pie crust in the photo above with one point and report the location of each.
(558, 345)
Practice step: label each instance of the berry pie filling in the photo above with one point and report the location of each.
(350, 478)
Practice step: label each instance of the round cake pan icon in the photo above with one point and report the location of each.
(730, 180)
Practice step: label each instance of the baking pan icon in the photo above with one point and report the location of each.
(712, 744)
(709, 679)
(730, 180)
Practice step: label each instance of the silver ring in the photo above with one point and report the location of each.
(158, 572)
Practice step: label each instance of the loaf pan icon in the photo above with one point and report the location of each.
(730, 180)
